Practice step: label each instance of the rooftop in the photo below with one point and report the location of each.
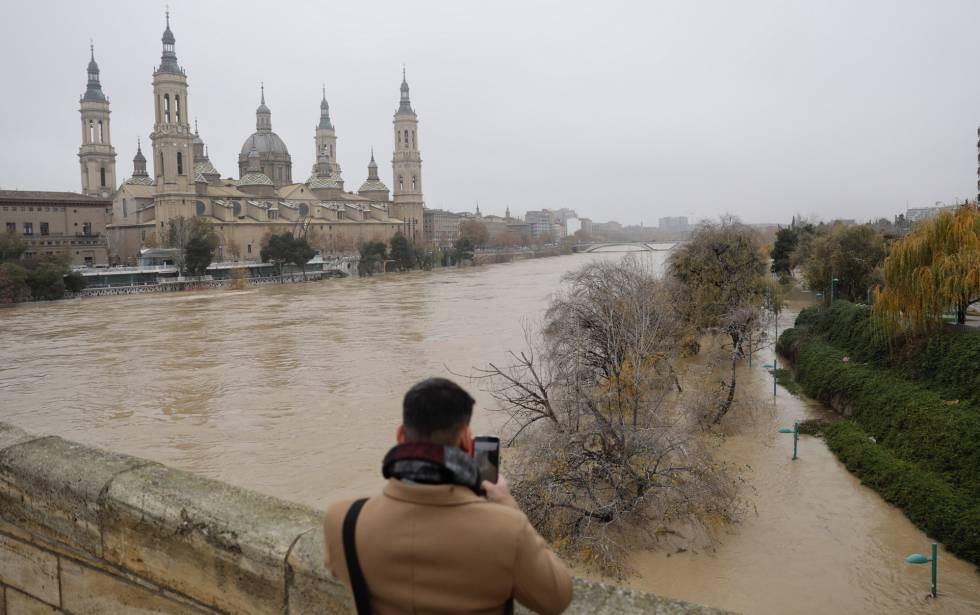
(39, 195)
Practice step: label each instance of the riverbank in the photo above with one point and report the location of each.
(911, 427)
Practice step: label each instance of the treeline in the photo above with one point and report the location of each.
(400, 254)
(26, 279)
(915, 276)
(913, 414)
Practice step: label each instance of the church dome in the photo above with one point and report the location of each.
(265, 143)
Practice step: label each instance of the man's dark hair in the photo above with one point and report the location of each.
(436, 409)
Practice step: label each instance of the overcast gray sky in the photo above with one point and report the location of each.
(620, 110)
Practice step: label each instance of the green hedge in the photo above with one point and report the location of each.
(913, 421)
(948, 361)
(938, 508)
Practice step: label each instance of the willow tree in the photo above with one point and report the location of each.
(933, 271)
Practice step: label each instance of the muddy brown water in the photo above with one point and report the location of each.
(295, 391)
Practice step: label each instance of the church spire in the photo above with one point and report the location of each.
(139, 161)
(372, 168)
(324, 112)
(405, 104)
(263, 116)
(93, 90)
(168, 61)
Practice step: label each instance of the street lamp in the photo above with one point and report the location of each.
(917, 558)
(796, 435)
(772, 370)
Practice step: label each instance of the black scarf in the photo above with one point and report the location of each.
(431, 464)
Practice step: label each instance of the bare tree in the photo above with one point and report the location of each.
(611, 454)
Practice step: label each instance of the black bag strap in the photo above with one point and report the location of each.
(362, 599)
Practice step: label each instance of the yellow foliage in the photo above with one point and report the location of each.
(933, 270)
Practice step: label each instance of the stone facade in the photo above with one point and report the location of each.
(264, 199)
(63, 224)
(440, 228)
(85, 531)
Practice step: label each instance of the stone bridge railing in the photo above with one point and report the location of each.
(85, 531)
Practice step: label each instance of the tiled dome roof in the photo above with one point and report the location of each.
(255, 179)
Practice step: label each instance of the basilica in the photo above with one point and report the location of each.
(264, 200)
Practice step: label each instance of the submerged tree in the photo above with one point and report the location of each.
(402, 252)
(373, 256)
(721, 274)
(934, 270)
(610, 456)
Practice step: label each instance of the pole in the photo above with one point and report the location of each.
(775, 356)
(934, 593)
(796, 436)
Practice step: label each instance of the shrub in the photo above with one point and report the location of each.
(943, 511)
(917, 424)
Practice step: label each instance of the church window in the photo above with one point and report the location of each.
(166, 108)
(102, 176)
(413, 138)
(91, 131)
(101, 133)
(401, 183)
(413, 183)
(177, 108)
(406, 137)
(180, 163)
(161, 165)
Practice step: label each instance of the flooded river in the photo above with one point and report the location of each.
(295, 391)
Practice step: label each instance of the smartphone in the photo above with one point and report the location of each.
(486, 452)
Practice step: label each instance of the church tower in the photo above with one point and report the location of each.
(96, 154)
(326, 137)
(173, 156)
(406, 163)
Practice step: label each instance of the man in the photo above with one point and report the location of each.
(429, 543)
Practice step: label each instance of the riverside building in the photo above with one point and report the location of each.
(264, 199)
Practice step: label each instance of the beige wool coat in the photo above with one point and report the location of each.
(444, 549)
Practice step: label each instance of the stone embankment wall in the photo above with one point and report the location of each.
(175, 286)
(85, 531)
(504, 256)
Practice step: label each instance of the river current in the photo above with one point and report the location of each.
(295, 391)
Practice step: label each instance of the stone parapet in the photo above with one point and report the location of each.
(85, 531)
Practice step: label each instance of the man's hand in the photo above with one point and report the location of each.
(499, 492)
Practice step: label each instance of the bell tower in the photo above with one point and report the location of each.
(406, 162)
(96, 154)
(173, 154)
(326, 137)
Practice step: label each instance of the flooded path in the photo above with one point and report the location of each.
(817, 542)
(295, 391)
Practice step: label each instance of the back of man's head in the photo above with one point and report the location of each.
(436, 410)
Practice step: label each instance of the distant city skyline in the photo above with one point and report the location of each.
(625, 112)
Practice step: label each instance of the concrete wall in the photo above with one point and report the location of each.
(85, 531)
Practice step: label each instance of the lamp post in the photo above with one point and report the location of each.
(917, 558)
(796, 435)
(772, 370)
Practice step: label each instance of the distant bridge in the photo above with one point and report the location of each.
(627, 246)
